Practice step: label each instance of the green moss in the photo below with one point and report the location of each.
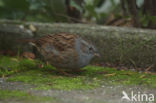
(115, 77)
(10, 66)
(7, 66)
(7, 95)
(73, 83)
(28, 71)
(44, 80)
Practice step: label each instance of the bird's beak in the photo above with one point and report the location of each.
(97, 54)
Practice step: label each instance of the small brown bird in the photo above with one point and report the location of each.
(65, 51)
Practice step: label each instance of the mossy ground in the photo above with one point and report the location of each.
(46, 77)
(8, 95)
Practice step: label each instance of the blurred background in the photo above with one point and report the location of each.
(131, 13)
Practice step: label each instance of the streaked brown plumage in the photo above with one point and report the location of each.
(65, 50)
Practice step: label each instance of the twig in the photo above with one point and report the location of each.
(147, 69)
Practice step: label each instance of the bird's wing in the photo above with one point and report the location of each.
(60, 42)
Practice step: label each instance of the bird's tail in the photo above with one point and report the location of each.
(27, 40)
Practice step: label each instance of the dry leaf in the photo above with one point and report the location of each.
(107, 75)
(14, 59)
(150, 73)
(147, 69)
(40, 65)
(28, 55)
(32, 28)
(142, 76)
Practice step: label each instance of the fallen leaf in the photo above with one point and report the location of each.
(7, 52)
(40, 65)
(32, 28)
(28, 55)
(147, 69)
(107, 75)
(150, 73)
(142, 76)
(14, 59)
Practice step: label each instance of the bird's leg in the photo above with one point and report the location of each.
(78, 70)
(61, 71)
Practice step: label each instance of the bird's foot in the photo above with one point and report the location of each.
(78, 71)
(62, 72)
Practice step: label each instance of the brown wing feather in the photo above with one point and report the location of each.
(60, 41)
